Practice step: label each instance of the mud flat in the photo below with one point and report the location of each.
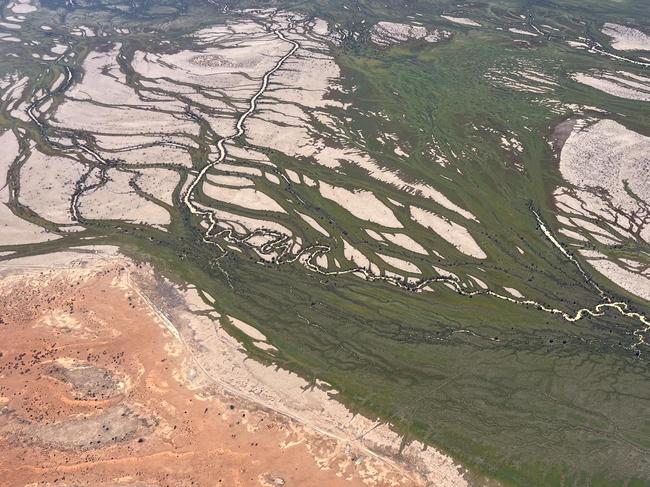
(522, 32)
(100, 387)
(461, 20)
(115, 200)
(47, 185)
(626, 38)
(621, 84)
(608, 166)
(307, 81)
(452, 232)
(362, 204)
(400, 264)
(387, 33)
(634, 282)
(245, 197)
(14, 229)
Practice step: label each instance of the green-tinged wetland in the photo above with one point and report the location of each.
(442, 305)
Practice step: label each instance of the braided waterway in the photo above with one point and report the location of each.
(223, 153)
(281, 244)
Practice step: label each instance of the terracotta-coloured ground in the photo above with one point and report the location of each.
(91, 394)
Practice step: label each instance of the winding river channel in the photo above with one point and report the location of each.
(280, 244)
(306, 256)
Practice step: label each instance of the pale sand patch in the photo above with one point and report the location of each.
(626, 38)
(320, 27)
(643, 79)
(513, 292)
(159, 183)
(83, 31)
(628, 80)
(398, 150)
(224, 123)
(59, 49)
(304, 79)
(522, 32)
(153, 154)
(14, 230)
(394, 179)
(321, 261)
(247, 329)
(245, 197)
(267, 347)
(15, 90)
(387, 33)
(618, 87)
(250, 224)
(10, 26)
(212, 34)
(326, 120)
(352, 254)
(309, 181)
(400, 264)
(360, 203)
(393, 275)
(5, 82)
(226, 180)
(47, 184)
(595, 230)
(633, 282)
(248, 154)
(578, 45)
(81, 115)
(280, 138)
(23, 8)
(519, 81)
(115, 200)
(253, 171)
(571, 234)
(218, 67)
(605, 240)
(294, 138)
(272, 177)
(606, 162)
(293, 176)
(374, 235)
(405, 242)
(121, 143)
(104, 82)
(452, 232)
(478, 281)
(195, 300)
(461, 20)
(9, 152)
(313, 223)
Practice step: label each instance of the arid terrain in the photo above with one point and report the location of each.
(95, 390)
